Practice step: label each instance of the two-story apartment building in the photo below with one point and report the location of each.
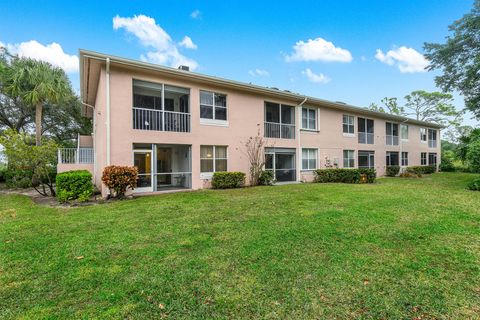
(179, 127)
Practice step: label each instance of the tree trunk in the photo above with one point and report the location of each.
(38, 124)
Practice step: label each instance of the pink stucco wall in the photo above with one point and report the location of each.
(245, 118)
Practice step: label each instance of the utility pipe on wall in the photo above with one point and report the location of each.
(107, 123)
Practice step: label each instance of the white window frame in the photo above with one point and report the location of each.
(213, 122)
(315, 118)
(348, 134)
(401, 131)
(404, 160)
(370, 154)
(349, 158)
(421, 158)
(424, 134)
(209, 175)
(434, 132)
(315, 157)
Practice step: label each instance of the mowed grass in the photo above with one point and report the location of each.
(398, 249)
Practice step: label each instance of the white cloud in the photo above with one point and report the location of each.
(316, 78)
(408, 60)
(188, 43)
(52, 53)
(318, 50)
(152, 36)
(196, 14)
(259, 73)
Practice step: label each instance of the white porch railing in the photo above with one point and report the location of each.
(364, 137)
(158, 120)
(75, 155)
(432, 143)
(279, 130)
(392, 140)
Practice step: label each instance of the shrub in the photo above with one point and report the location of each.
(419, 170)
(228, 180)
(407, 174)
(17, 178)
(74, 185)
(266, 178)
(474, 185)
(119, 178)
(344, 175)
(392, 171)
(447, 165)
(3, 171)
(473, 156)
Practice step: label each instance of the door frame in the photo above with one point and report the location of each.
(145, 189)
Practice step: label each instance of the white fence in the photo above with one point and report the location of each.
(75, 155)
(157, 120)
(279, 130)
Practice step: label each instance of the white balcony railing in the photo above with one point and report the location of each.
(75, 155)
(432, 143)
(279, 130)
(158, 120)
(392, 140)
(364, 137)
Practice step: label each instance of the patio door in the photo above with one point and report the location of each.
(142, 159)
(282, 162)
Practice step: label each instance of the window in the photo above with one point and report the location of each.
(404, 158)
(423, 134)
(366, 159)
(348, 159)
(213, 106)
(213, 158)
(432, 159)
(423, 158)
(391, 133)
(404, 131)
(348, 124)
(279, 121)
(432, 138)
(392, 158)
(365, 131)
(309, 159)
(309, 119)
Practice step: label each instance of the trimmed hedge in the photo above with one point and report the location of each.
(421, 169)
(474, 185)
(392, 171)
(228, 180)
(345, 175)
(74, 185)
(266, 178)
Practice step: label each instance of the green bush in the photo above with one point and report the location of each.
(3, 171)
(266, 178)
(474, 185)
(419, 170)
(228, 180)
(18, 178)
(447, 165)
(392, 171)
(344, 175)
(473, 156)
(74, 185)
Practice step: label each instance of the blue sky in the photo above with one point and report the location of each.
(326, 49)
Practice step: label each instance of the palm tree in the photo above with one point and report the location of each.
(37, 83)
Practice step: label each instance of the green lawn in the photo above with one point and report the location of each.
(398, 249)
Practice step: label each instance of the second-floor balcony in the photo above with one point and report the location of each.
(432, 143)
(391, 140)
(75, 155)
(158, 120)
(279, 130)
(364, 137)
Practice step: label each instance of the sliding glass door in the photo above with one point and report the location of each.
(282, 162)
(142, 159)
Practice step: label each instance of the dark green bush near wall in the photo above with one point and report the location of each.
(74, 186)
(228, 180)
(266, 178)
(421, 169)
(474, 185)
(392, 171)
(344, 175)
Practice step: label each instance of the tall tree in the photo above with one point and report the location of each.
(35, 84)
(434, 107)
(459, 59)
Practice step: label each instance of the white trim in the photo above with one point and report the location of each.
(349, 135)
(150, 151)
(213, 122)
(301, 118)
(343, 158)
(213, 105)
(209, 175)
(301, 159)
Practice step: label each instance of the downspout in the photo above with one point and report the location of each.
(94, 138)
(107, 123)
(299, 143)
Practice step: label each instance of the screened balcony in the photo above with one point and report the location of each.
(159, 107)
(279, 121)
